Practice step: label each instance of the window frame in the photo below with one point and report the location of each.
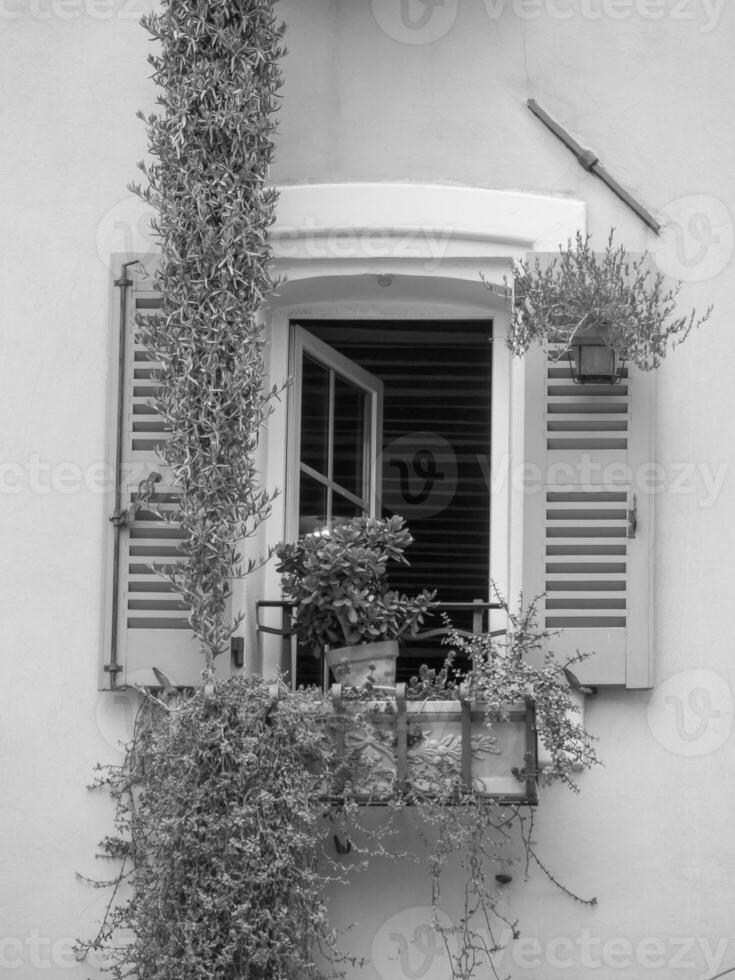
(302, 343)
(430, 244)
(506, 437)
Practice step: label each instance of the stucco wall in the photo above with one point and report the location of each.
(650, 834)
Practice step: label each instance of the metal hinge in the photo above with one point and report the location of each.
(632, 519)
(146, 494)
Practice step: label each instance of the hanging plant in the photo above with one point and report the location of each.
(609, 296)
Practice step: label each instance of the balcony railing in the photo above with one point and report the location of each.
(478, 612)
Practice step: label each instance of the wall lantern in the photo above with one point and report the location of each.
(592, 362)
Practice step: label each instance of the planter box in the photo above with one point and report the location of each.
(426, 745)
(381, 655)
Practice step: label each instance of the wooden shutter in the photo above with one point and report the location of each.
(588, 522)
(152, 628)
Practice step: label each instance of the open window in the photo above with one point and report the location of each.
(393, 417)
(336, 412)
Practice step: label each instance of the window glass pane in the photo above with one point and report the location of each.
(315, 415)
(349, 436)
(342, 508)
(312, 504)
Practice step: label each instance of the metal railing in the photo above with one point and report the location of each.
(479, 608)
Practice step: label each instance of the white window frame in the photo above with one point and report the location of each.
(333, 242)
(304, 343)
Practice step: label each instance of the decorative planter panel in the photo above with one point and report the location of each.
(425, 746)
(381, 656)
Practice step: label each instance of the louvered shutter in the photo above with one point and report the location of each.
(588, 522)
(152, 627)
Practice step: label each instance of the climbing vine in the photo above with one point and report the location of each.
(217, 70)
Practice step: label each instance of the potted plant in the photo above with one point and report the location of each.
(605, 300)
(337, 579)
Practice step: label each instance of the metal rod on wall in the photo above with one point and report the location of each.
(590, 162)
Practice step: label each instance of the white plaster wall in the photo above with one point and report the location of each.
(650, 834)
(70, 145)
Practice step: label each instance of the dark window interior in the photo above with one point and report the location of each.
(436, 453)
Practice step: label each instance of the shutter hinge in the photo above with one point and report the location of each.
(146, 493)
(633, 519)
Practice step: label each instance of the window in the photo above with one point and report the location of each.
(394, 418)
(543, 491)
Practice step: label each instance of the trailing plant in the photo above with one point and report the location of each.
(222, 833)
(338, 581)
(519, 664)
(484, 839)
(235, 811)
(608, 295)
(471, 846)
(216, 66)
